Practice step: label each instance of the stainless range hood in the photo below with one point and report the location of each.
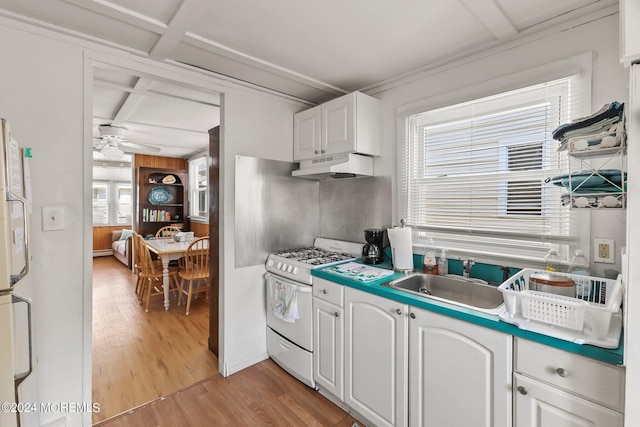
(335, 167)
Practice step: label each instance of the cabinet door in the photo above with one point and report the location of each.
(460, 373)
(306, 134)
(629, 31)
(338, 125)
(376, 358)
(328, 365)
(541, 405)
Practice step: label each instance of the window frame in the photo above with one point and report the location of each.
(580, 64)
(118, 186)
(103, 185)
(113, 202)
(196, 191)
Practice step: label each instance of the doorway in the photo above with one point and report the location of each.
(139, 357)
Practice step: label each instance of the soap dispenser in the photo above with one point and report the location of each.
(443, 264)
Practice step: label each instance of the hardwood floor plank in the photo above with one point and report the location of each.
(245, 398)
(137, 356)
(158, 363)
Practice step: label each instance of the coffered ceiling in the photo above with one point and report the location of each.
(314, 51)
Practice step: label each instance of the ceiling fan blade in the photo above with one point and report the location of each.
(140, 146)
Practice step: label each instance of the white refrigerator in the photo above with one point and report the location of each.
(15, 311)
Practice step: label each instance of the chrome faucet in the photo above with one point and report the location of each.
(466, 267)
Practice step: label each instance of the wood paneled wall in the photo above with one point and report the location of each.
(199, 229)
(102, 236)
(143, 160)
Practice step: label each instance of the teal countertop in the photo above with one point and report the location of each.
(613, 356)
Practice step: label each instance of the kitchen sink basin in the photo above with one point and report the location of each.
(455, 290)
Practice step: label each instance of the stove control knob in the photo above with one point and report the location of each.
(284, 266)
(270, 263)
(279, 266)
(295, 270)
(290, 269)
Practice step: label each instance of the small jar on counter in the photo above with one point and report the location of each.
(429, 263)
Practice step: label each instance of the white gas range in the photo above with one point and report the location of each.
(297, 263)
(289, 301)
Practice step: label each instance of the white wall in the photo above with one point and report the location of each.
(259, 127)
(480, 75)
(632, 296)
(45, 85)
(41, 87)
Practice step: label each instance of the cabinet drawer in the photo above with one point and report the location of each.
(328, 291)
(598, 381)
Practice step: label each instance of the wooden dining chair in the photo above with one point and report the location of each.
(168, 231)
(150, 275)
(194, 271)
(138, 240)
(136, 263)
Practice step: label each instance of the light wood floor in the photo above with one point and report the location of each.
(139, 357)
(261, 395)
(154, 369)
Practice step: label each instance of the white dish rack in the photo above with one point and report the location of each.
(586, 319)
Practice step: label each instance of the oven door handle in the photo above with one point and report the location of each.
(303, 289)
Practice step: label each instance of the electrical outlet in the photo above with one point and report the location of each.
(603, 251)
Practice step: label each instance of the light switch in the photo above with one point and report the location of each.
(52, 218)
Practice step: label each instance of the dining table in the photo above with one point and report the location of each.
(168, 250)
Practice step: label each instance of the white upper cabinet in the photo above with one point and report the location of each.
(349, 124)
(306, 136)
(629, 31)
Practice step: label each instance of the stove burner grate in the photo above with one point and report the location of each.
(313, 256)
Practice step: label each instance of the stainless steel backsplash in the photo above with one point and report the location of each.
(349, 206)
(274, 211)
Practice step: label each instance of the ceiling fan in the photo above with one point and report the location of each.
(112, 142)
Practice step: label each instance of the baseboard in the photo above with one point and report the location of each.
(102, 252)
(340, 404)
(230, 370)
(335, 400)
(58, 422)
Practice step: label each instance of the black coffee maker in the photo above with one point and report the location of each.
(372, 251)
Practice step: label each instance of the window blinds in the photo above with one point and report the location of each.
(479, 168)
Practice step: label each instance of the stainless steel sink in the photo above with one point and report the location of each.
(456, 290)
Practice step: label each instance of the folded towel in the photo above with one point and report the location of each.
(608, 114)
(284, 300)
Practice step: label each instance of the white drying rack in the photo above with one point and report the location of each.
(586, 319)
